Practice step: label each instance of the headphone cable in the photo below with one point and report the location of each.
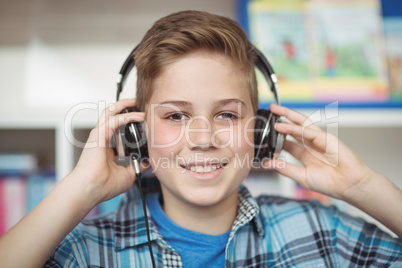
(138, 174)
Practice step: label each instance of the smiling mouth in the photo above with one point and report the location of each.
(204, 168)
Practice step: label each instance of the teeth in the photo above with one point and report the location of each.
(204, 169)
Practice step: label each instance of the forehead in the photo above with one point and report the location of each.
(199, 77)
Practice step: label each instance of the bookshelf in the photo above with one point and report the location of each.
(77, 39)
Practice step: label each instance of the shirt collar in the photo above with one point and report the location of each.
(129, 221)
(248, 210)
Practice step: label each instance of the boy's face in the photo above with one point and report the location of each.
(200, 130)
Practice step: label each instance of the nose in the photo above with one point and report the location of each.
(198, 133)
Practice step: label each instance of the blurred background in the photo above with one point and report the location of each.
(340, 60)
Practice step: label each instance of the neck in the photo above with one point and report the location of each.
(200, 218)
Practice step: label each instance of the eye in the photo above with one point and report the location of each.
(227, 116)
(177, 116)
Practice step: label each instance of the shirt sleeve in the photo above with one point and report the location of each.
(51, 263)
(359, 243)
(71, 252)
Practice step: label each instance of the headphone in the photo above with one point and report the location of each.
(130, 139)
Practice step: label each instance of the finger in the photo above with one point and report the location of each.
(116, 108)
(294, 149)
(293, 116)
(314, 145)
(315, 138)
(125, 118)
(304, 153)
(130, 170)
(107, 129)
(286, 169)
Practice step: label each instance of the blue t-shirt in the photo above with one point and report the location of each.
(196, 249)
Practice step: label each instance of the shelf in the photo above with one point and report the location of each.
(356, 117)
(38, 142)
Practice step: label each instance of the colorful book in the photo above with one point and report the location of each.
(17, 162)
(322, 50)
(393, 52)
(14, 189)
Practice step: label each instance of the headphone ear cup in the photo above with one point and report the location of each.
(136, 140)
(130, 139)
(118, 143)
(266, 140)
(262, 117)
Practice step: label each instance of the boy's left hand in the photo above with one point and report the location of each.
(330, 167)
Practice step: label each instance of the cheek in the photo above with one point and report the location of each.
(163, 139)
(248, 143)
(250, 135)
(247, 133)
(247, 139)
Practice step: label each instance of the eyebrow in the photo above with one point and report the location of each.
(182, 103)
(175, 103)
(228, 101)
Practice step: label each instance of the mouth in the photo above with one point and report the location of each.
(203, 168)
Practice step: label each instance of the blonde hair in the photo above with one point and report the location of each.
(179, 34)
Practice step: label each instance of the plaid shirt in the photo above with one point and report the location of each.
(268, 232)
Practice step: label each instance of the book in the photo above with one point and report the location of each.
(14, 196)
(322, 50)
(278, 29)
(17, 162)
(22, 187)
(393, 53)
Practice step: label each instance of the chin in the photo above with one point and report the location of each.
(208, 196)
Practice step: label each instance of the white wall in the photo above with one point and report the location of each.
(56, 54)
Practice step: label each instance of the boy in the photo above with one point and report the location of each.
(196, 91)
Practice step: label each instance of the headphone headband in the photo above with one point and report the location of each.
(125, 69)
(266, 69)
(261, 63)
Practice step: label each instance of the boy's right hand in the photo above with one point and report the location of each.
(95, 178)
(96, 168)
